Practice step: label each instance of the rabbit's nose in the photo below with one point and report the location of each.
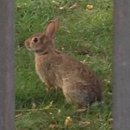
(35, 39)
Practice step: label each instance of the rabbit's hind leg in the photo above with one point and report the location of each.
(76, 96)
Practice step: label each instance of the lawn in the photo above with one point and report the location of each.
(85, 34)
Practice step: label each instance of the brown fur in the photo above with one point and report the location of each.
(80, 85)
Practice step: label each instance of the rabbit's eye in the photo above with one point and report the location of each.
(35, 39)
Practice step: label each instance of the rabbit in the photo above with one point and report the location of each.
(80, 85)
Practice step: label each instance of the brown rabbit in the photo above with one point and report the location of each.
(80, 85)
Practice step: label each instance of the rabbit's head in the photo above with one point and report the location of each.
(41, 43)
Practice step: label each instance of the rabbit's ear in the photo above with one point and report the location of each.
(56, 24)
(52, 27)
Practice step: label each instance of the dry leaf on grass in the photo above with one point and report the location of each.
(59, 112)
(19, 7)
(55, 2)
(48, 106)
(68, 121)
(89, 7)
(33, 105)
(18, 115)
(110, 120)
(82, 110)
(75, 6)
(62, 7)
(53, 125)
(85, 123)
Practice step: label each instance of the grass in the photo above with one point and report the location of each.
(80, 30)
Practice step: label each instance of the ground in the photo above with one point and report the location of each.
(85, 33)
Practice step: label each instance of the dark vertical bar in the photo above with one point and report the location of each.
(7, 65)
(121, 82)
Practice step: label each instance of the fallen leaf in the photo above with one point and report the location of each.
(85, 123)
(53, 125)
(62, 7)
(84, 61)
(110, 120)
(48, 106)
(59, 112)
(33, 105)
(68, 121)
(55, 2)
(75, 6)
(19, 7)
(89, 7)
(82, 110)
(17, 116)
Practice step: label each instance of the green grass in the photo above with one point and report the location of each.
(80, 30)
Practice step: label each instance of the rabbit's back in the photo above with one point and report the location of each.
(80, 84)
